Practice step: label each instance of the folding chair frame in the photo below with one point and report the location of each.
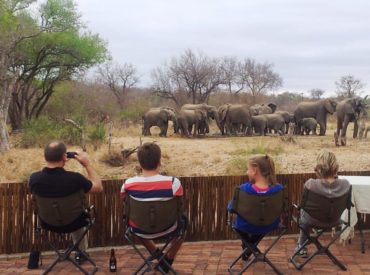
(258, 255)
(152, 261)
(314, 239)
(65, 255)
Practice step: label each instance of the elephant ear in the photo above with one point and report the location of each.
(224, 113)
(330, 106)
(272, 106)
(164, 115)
(202, 114)
(350, 106)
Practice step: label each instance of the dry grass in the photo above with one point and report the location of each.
(192, 157)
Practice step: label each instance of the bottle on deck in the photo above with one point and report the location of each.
(112, 261)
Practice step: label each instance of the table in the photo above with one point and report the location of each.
(361, 202)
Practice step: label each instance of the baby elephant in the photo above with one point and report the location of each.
(363, 128)
(308, 125)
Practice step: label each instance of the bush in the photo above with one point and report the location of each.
(135, 111)
(38, 132)
(263, 150)
(237, 166)
(97, 135)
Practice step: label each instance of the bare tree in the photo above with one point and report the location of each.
(230, 67)
(119, 79)
(259, 78)
(349, 86)
(165, 84)
(316, 93)
(196, 75)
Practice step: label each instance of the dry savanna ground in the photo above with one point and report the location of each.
(213, 155)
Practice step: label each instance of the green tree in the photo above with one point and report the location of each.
(16, 27)
(51, 57)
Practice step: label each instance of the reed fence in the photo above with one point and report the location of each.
(205, 200)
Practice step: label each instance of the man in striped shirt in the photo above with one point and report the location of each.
(151, 186)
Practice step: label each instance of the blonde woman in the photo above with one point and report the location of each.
(326, 184)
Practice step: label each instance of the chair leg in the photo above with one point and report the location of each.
(258, 255)
(148, 260)
(335, 260)
(277, 271)
(360, 228)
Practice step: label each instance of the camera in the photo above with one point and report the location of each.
(71, 155)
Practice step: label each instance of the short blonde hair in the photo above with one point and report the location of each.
(326, 164)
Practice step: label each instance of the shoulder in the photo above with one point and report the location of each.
(343, 182)
(308, 184)
(131, 180)
(276, 187)
(247, 186)
(35, 175)
(74, 175)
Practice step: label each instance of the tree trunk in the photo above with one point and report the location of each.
(4, 137)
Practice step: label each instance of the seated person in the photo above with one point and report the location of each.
(151, 185)
(262, 180)
(54, 181)
(326, 184)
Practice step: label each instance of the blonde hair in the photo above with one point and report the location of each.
(326, 164)
(266, 166)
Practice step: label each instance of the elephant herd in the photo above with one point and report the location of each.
(232, 119)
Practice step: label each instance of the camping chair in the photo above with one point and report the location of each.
(326, 210)
(64, 215)
(154, 217)
(259, 210)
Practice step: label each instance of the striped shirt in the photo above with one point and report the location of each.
(153, 188)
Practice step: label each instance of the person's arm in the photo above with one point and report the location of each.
(92, 175)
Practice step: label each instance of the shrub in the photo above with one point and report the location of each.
(237, 166)
(97, 135)
(263, 150)
(39, 131)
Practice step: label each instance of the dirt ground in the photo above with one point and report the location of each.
(213, 155)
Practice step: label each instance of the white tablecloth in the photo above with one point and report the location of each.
(360, 200)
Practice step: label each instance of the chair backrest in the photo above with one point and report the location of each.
(258, 209)
(60, 211)
(153, 216)
(324, 209)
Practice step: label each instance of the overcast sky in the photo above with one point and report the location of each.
(311, 43)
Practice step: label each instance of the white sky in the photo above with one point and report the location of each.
(312, 43)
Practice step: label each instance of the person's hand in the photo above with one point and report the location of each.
(82, 158)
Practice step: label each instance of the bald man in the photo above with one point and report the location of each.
(54, 181)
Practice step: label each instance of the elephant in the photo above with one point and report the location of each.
(363, 123)
(275, 122)
(187, 118)
(318, 110)
(222, 110)
(288, 118)
(236, 116)
(210, 110)
(159, 117)
(348, 110)
(259, 124)
(258, 109)
(308, 125)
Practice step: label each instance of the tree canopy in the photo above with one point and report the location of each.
(39, 50)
